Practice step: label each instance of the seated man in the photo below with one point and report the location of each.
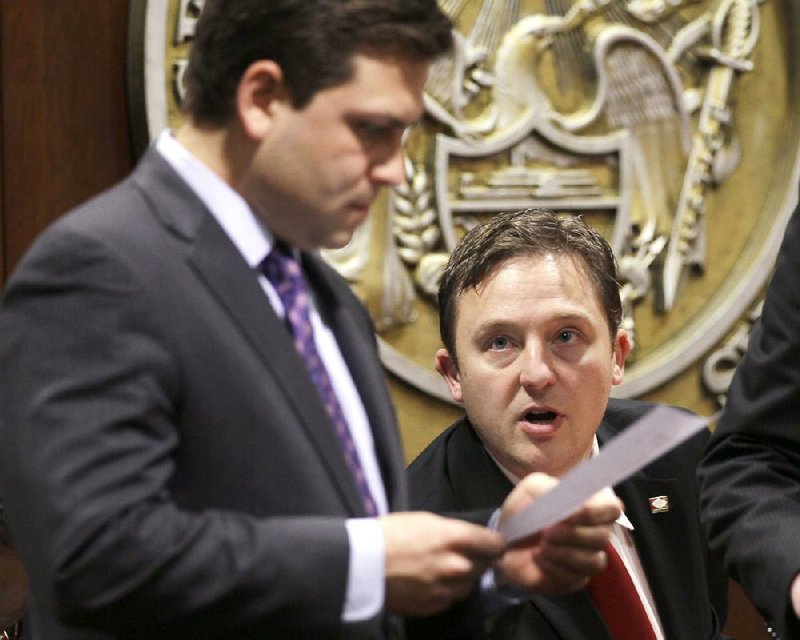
(530, 320)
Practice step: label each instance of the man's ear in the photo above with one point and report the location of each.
(449, 371)
(622, 347)
(260, 92)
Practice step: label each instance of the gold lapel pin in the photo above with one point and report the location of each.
(659, 504)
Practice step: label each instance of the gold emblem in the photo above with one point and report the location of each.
(672, 126)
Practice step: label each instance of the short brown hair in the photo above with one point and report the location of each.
(532, 232)
(313, 41)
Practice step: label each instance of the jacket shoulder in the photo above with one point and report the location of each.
(622, 413)
(428, 479)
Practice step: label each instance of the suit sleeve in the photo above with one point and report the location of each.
(89, 394)
(5, 534)
(750, 474)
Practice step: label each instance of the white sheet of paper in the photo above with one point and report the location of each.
(651, 436)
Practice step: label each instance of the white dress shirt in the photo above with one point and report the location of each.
(366, 576)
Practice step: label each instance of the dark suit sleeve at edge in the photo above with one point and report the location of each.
(750, 475)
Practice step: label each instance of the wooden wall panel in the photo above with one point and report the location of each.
(64, 117)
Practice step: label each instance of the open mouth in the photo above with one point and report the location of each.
(545, 417)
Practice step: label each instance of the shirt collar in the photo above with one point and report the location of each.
(253, 240)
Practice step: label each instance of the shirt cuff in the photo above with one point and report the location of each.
(494, 597)
(366, 575)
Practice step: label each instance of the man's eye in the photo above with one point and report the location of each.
(565, 336)
(369, 129)
(372, 130)
(499, 343)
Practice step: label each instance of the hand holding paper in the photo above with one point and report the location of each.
(558, 529)
(562, 558)
(653, 435)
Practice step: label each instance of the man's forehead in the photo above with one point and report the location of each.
(382, 87)
(572, 267)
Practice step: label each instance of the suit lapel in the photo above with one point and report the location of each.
(221, 268)
(353, 335)
(476, 480)
(659, 538)
(574, 616)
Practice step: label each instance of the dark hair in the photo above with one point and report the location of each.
(532, 232)
(313, 41)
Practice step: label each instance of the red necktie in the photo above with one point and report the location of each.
(616, 598)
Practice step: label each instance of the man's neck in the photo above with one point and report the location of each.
(217, 148)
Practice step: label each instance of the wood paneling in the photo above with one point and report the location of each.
(64, 118)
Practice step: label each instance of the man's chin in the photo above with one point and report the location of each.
(340, 240)
(342, 236)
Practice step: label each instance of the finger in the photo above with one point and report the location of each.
(579, 561)
(453, 568)
(533, 485)
(441, 592)
(560, 579)
(597, 511)
(593, 538)
(567, 572)
(527, 490)
(440, 598)
(476, 542)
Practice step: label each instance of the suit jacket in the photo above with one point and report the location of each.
(166, 463)
(750, 475)
(456, 473)
(5, 535)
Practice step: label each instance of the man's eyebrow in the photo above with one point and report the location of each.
(493, 325)
(386, 119)
(503, 324)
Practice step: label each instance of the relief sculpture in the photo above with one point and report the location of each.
(646, 117)
(621, 111)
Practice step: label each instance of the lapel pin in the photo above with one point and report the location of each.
(659, 504)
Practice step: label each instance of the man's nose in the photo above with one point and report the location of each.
(536, 370)
(390, 170)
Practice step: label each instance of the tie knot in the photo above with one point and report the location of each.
(283, 271)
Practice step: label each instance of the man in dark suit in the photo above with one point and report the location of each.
(530, 319)
(197, 441)
(750, 474)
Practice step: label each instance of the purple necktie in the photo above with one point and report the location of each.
(285, 275)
